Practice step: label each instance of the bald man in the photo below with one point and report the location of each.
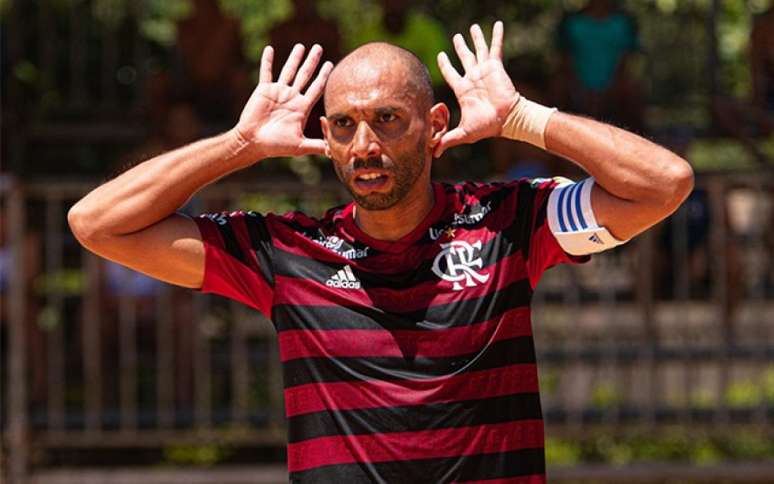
(403, 317)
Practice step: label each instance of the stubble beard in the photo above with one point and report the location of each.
(408, 169)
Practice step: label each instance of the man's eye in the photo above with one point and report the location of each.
(343, 122)
(387, 117)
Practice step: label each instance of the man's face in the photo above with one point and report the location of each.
(377, 134)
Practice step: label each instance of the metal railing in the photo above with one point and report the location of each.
(99, 357)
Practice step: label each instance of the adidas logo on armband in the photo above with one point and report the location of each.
(344, 279)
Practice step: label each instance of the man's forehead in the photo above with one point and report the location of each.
(367, 84)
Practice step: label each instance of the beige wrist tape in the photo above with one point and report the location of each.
(527, 122)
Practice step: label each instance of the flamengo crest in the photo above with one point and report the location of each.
(457, 262)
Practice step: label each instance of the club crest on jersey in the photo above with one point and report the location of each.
(457, 262)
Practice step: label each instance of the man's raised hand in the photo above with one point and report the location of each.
(485, 93)
(272, 122)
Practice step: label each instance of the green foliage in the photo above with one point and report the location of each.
(26, 72)
(680, 446)
(562, 452)
(721, 153)
(743, 394)
(349, 14)
(262, 203)
(109, 13)
(314, 203)
(751, 392)
(158, 19)
(257, 18)
(768, 385)
(49, 318)
(549, 381)
(606, 395)
(66, 282)
(196, 455)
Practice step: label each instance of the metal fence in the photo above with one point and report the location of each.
(674, 328)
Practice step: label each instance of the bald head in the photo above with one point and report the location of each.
(380, 62)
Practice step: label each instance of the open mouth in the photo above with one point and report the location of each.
(371, 181)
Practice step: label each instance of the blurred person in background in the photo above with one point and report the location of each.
(31, 271)
(752, 122)
(686, 253)
(402, 317)
(597, 44)
(208, 66)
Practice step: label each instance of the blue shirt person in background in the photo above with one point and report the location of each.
(596, 43)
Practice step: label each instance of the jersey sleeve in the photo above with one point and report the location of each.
(238, 253)
(539, 245)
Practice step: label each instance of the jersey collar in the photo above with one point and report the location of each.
(393, 246)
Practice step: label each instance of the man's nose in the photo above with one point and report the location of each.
(365, 143)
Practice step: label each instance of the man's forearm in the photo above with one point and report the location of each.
(624, 164)
(154, 189)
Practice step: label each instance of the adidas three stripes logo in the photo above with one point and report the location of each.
(344, 279)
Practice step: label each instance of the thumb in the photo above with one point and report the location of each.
(455, 137)
(311, 147)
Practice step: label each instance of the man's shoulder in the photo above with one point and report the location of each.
(507, 195)
(473, 196)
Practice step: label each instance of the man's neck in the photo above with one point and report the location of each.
(399, 220)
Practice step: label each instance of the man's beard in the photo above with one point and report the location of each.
(405, 173)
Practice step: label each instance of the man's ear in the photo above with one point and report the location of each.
(439, 124)
(326, 134)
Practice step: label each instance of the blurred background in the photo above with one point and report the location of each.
(657, 360)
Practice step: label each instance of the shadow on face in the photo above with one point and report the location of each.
(380, 125)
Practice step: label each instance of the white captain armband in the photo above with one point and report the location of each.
(572, 221)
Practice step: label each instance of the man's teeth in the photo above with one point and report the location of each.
(369, 176)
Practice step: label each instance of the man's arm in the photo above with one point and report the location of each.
(638, 183)
(131, 219)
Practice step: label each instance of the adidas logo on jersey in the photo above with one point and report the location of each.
(344, 279)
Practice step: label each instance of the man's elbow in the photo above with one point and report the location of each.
(82, 225)
(678, 182)
(673, 186)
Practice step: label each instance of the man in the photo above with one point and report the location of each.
(597, 45)
(403, 317)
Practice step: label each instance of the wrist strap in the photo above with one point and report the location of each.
(527, 122)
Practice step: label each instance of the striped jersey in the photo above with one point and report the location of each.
(403, 361)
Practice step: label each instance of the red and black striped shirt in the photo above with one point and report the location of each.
(405, 361)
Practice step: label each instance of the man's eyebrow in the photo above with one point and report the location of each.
(387, 110)
(379, 110)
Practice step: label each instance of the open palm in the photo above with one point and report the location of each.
(485, 93)
(275, 115)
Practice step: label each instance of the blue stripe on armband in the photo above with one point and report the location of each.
(559, 205)
(568, 209)
(578, 205)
